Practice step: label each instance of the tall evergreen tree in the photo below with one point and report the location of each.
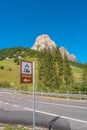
(50, 77)
(41, 68)
(68, 76)
(46, 70)
(84, 77)
(58, 66)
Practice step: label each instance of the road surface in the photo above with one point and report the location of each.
(17, 108)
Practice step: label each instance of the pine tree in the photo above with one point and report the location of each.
(68, 76)
(84, 77)
(41, 68)
(50, 77)
(58, 66)
(46, 70)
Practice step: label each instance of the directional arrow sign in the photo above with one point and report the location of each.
(26, 80)
(26, 72)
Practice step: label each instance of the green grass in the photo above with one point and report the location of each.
(76, 69)
(11, 73)
(77, 72)
(11, 127)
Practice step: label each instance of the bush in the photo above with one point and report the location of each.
(1, 67)
(10, 69)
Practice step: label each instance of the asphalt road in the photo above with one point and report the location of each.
(61, 114)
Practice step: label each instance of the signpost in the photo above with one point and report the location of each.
(26, 72)
(26, 77)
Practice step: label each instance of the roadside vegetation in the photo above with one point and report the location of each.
(12, 127)
(52, 73)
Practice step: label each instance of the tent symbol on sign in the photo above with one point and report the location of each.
(27, 68)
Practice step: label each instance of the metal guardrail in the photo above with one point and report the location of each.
(67, 95)
(75, 95)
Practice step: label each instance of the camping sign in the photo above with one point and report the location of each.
(26, 72)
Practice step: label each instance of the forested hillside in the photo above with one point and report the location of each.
(51, 71)
(16, 52)
(22, 52)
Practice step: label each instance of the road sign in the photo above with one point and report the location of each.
(27, 76)
(26, 72)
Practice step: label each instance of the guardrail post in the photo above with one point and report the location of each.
(80, 95)
(67, 95)
(57, 93)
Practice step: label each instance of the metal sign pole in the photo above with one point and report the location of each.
(27, 76)
(33, 100)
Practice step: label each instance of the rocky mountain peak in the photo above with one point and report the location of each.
(64, 51)
(45, 42)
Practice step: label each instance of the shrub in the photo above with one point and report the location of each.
(10, 69)
(1, 67)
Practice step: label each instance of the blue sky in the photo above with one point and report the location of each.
(65, 21)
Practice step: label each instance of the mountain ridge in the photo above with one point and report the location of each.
(44, 42)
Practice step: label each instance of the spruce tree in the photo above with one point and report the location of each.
(46, 70)
(50, 77)
(84, 77)
(68, 76)
(41, 68)
(58, 66)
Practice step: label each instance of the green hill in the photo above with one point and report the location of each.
(16, 52)
(10, 69)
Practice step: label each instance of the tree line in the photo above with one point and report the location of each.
(17, 51)
(54, 71)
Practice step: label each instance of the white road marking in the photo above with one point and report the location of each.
(55, 104)
(71, 106)
(63, 105)
(6, 103)
(15, 105)
(29, 109)
(46, 113)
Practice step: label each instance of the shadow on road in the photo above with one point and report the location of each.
(59, 123)
(25, 117)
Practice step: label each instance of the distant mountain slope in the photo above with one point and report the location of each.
(17, 52)
(44, 41)
(64, 51)
(22, 52)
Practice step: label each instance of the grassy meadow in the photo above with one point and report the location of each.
(11, 73)
(77, 72)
